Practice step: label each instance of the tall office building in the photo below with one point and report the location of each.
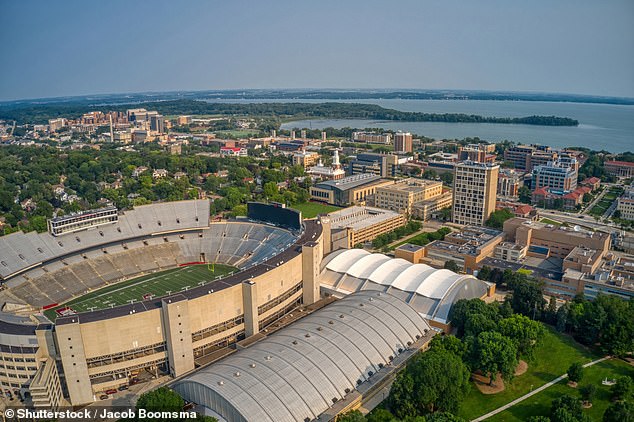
(157, 123)
(475, 189)
(403, 142)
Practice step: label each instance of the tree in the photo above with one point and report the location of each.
(566, 409)
(380, 415)
(575, 372)
(623, 388)
(528, 298)
(526, 332)
(497, 218)
(491, 352)
(449, 343)
(443, 417)
(477, 323)
(452, 266)
(437, 380)
(162, 399)
(588, 392)
(484, 273)
(353, 416)
(619, 412)
(462, 309)
(525, 195)
(538, 419)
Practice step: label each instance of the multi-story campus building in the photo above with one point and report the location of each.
(619, 168)
(509, 183)
(349, 190)
(403, 194)
(625, 203)
(555, 176)
(466, 248)
(372, 138)
(424, 210)
(474, 192)
(384, 165)
(305, 158)
(551, 240)
(354, 225)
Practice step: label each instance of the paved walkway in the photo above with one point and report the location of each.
(532, 393)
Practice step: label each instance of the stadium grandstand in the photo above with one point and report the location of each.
(431, 292)
(103, 343)
(304, 369)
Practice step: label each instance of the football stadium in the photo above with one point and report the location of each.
(107, 294)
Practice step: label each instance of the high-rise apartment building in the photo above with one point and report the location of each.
(475, 189)
(403, 142)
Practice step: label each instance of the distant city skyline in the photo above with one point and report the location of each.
(55, 49)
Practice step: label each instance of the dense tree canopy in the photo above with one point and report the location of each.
(491, 352)
(433, 381)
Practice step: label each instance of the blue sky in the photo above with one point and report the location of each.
(58, 48)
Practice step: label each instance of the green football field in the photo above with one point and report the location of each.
(157, 284)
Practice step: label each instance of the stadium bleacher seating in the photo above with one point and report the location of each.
(240, 244)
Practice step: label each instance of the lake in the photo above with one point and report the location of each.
(601, 126)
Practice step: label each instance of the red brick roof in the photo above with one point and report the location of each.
(620, 163)
(540, 191)
(592, 180)
(523, 209)
(571, 195)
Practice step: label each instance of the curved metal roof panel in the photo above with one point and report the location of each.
(412, 277)
(345, 260)
(366, 265)
(299, 372)
(438, 284)
(388, 271)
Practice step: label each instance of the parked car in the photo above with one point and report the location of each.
(104, 397)
(123, 388)
(111, 391)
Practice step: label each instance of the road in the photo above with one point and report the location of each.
(532, 393)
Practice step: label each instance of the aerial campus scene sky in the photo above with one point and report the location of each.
(66, 48)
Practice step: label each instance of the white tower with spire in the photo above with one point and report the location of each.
(335, 160)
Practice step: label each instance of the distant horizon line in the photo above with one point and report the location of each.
(304, 90)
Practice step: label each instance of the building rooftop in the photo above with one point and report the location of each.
(573, 231)
(619, 163)
(411, 185)
(511, 246)
(349, 182)
(468, 241)
(409, 247)
(358, 217)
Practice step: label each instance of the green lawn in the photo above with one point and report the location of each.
(418, 239)
(539, 404)
(157, 284)
(237, 133)
(553, 357)
(549, 221)
(312, 209)
(601, 207)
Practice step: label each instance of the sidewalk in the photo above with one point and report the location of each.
(532, 393)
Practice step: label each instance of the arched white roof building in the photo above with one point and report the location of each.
(299, 372)
(430, 291)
